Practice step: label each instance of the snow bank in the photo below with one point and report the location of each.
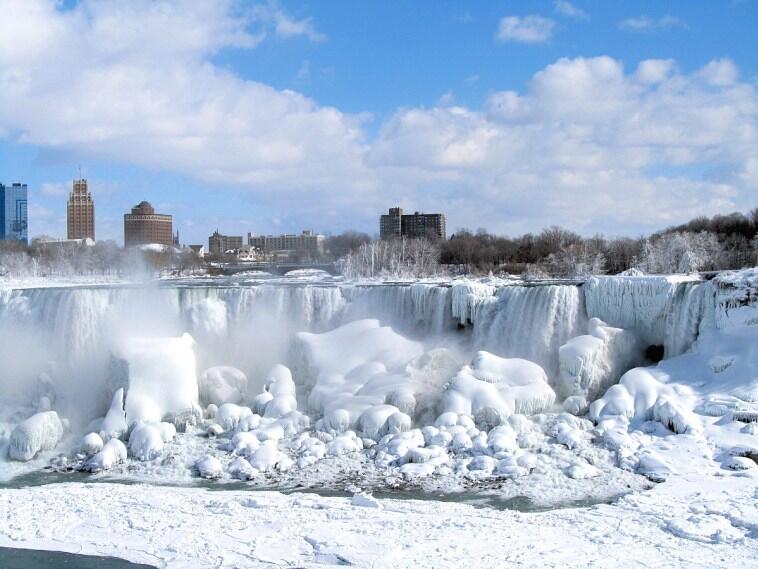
(92, 443)
(492, 388)
(209, 467)
(39, 432)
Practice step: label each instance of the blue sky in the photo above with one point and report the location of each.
(619, 117)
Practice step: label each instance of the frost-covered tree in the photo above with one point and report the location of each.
(393, 258)
(681, 252)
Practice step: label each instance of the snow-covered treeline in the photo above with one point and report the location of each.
(718, 243)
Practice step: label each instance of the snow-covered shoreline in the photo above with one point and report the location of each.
(693, 521)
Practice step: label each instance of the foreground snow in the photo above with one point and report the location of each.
(695, 522)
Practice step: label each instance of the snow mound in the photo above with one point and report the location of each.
(146, 441)
(91, 444)
(641, 395)
(230, 416)
(39, 432)
(492, 388)
(281, 387)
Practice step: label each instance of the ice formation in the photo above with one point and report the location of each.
(493, 388)
(356, 370)
(114, 423)
(591, 363)
(162, 380)
(39, 432)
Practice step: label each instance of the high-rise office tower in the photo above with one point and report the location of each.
(81, 212)
(14, 223)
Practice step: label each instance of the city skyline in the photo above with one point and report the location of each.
(615, 118)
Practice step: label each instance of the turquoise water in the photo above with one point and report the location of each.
(484, 498)
(33, 559)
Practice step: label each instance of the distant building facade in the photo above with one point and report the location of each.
(80, 212)
(14, 221)
(219, 244)
(68, 245)
(397, 224)
(307, 242)
(143, 226)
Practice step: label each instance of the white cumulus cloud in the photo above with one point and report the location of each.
(529, 29)
(566, 8)
(586, 143)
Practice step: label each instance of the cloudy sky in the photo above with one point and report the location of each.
(618, 117)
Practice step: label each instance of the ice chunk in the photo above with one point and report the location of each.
(266, 456)
(39, 432)
(365, 501)
(244, 444)
(347, 347)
